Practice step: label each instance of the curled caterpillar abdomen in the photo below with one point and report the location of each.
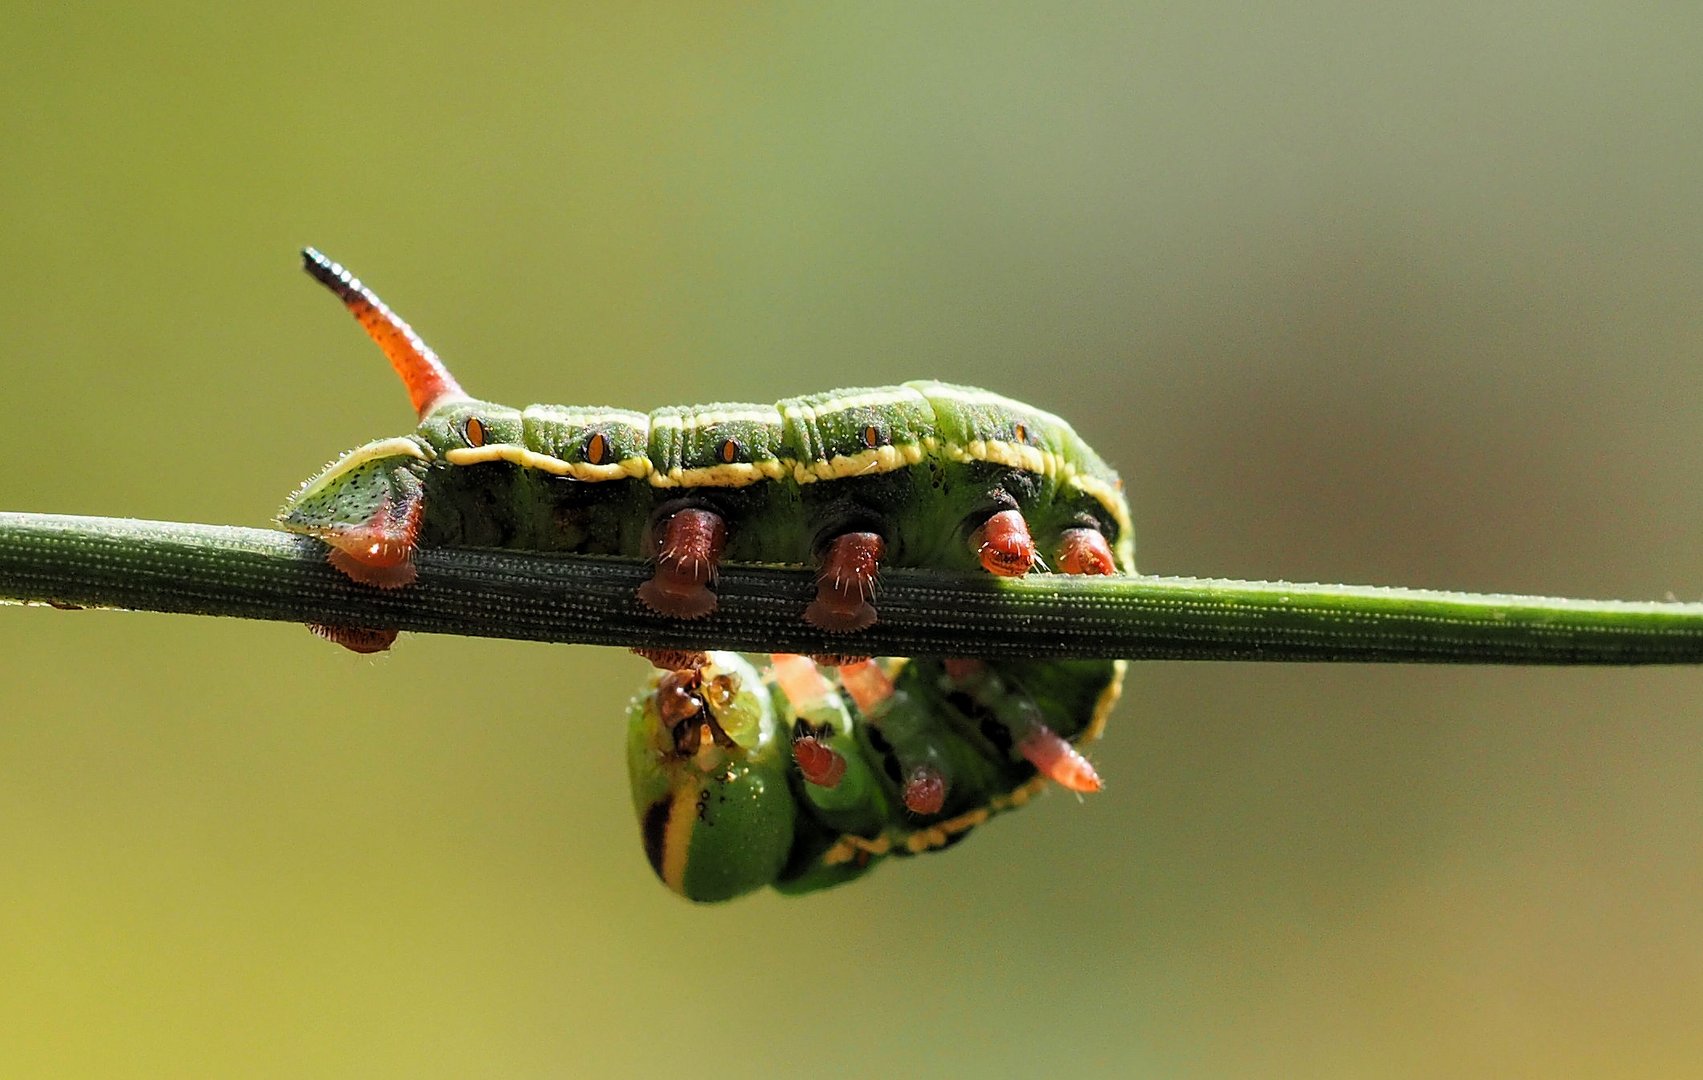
(803, 777)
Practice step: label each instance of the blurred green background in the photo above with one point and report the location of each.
(1348, 293)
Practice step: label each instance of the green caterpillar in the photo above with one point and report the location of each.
(925, 474)
(743, 779)
(739, 785)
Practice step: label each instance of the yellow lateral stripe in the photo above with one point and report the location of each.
(881, 459)
(633, 467)
(738, 474)
(401, 445)
(847, 848)
(1103, 704)
(509, 452)
(1011, 454)
(1110, 496)
(677, 838)
(850, 845)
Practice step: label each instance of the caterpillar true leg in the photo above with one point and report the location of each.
(809, 693)
(846, 583)
(1057, 760)
(1003, 544)
(688, 548)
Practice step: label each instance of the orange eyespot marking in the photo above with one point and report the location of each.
(1020, 433)
(871, 436)
(728, 451)
(597, 449)
(474, 431)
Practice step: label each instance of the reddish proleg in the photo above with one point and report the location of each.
(360, 639)
(673, 659)
(846, 583)
(806, 687)
(688, 548)
(1085, 551)
(381, 551)
(1003, 544)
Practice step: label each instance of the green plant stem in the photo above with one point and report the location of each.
(262, 574)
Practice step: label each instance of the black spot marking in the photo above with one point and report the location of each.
(889, 760)
(654, 829)
(878, 740)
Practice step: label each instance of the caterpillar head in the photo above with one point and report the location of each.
(708, 761)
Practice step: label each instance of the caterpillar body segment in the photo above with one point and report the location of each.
(720, 819)
(926, 474)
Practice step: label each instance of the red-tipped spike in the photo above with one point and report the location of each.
(429, 383)
(1058, 760)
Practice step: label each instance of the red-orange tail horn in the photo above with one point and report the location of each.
(427, 380)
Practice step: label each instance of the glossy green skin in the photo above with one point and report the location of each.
(760, 823)
(807, 469)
